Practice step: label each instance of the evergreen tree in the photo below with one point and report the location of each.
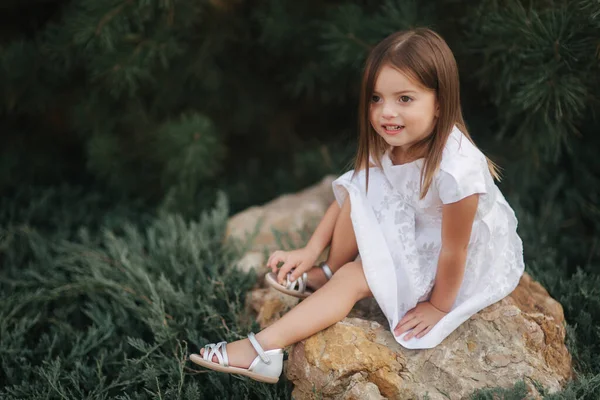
(162, 103)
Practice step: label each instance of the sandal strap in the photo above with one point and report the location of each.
(224, 351)
(218, 350)
(326, 270)
(259, 349)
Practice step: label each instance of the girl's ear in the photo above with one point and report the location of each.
(437, 109)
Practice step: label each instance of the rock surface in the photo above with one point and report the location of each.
(519, 338)
(289, 218)
(498, 346)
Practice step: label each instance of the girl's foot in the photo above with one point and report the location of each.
(240, 353)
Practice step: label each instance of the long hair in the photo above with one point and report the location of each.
(425, 57)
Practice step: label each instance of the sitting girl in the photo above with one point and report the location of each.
(419, 223)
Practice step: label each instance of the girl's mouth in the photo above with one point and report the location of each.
(393, 129)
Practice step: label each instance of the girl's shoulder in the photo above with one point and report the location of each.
(463, 170)
(460, 153)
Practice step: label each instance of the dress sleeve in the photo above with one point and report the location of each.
(462, 178)
(340, 186)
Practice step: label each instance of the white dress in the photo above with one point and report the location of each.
(399, 236)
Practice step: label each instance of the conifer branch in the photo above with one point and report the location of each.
(111, 15)
(358, 41)
(171, 16)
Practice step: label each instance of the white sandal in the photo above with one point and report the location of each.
(298, 287)
(266, 367)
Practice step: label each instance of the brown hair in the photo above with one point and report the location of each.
(425, 57)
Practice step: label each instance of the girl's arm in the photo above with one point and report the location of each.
(321, 237)
(324, 232)
(303, 259)
(457, 223)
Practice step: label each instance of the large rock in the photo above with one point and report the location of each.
(289, 214)
(290, 217)
(508, 341)
(518, 338)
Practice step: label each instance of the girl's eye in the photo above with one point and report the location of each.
(375, 99)
(405, 99)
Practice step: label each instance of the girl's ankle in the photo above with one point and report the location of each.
(316, 278)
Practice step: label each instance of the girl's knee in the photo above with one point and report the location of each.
(346, 270)
(354, 277)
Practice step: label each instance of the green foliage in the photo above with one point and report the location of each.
(586, 387)
(540, 68)
(193, 137)
(114, 73)
(112, 302)
(274, 79)
(108, 315)
(517, 392)
(580, 297)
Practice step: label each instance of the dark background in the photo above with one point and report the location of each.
(131, 129)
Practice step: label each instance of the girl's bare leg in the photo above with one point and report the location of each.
(318, 311)
(343, 248)
(330, 304)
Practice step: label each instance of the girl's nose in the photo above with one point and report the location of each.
(389, 113)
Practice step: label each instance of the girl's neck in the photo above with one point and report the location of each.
(400, 156)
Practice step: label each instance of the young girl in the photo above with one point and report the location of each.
(419, 223)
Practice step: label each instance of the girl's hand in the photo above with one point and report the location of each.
(420, 319)
(301, 260)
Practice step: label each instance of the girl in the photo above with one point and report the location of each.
(419, 223)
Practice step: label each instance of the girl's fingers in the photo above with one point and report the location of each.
(276, 259)
(297, 271)
(420, 327)
(402, 325)
(274, 255)
(407, 317)
(283, 271)
(408, 325)
(420, 335)
(272, 264)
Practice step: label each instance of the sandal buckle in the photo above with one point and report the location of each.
(261, 353)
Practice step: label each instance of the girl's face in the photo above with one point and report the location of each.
(402, 111)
